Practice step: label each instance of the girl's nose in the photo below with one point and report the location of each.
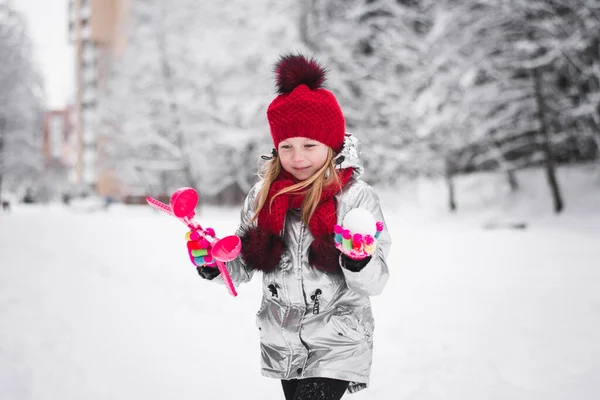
(298, 155)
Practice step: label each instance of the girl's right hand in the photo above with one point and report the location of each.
(199, 251)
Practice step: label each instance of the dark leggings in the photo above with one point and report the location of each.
(314, 389)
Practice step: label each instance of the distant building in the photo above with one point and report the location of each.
(96, 29)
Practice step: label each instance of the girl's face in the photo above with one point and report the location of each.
(302, 157)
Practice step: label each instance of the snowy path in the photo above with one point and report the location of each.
(106, 306)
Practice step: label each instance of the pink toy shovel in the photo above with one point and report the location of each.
(182, 206)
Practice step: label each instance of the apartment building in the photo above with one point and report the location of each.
(97, 31)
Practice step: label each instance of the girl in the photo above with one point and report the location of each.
(315, 321)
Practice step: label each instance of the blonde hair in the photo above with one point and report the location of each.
(311, 188)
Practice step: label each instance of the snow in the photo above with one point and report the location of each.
(105, 305)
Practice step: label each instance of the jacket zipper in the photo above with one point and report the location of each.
(300, 243)
(315, 298)
(318, 292)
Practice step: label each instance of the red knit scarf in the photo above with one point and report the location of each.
(262, 247)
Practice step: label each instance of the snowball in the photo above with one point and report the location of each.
(360, 221)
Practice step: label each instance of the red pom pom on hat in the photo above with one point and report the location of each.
(292, 71)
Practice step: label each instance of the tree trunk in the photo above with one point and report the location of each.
(450, 182)
(546, 145)
(595, 54)
(512, 180)
(597, 141)
(594, 126)
(2, 135)
(505, 165)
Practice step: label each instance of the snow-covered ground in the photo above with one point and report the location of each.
(105, 305)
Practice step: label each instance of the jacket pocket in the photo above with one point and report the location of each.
(349, 325)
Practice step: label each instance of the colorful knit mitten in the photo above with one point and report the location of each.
(357, 239)
(199, 250)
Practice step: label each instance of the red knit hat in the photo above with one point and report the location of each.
(303, 108)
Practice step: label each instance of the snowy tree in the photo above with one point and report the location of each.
(505, 39)
(468, 91)
(373, 46)
(463, 99)
(187, 98)
(140, 114)
(578, 66)
(470, 83)
(20, 104)
(530, 73)
(541, 46)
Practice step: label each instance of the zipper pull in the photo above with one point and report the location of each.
(315, 298)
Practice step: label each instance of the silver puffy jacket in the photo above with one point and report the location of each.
(314, 324)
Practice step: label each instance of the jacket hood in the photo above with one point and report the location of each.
(349, 157)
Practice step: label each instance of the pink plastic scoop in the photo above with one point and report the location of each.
(183, 206)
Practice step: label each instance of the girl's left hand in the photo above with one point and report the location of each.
(355, 245)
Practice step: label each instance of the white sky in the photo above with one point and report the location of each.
(48, 27)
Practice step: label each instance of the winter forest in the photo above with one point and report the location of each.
(21, 104)
(432, 89)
